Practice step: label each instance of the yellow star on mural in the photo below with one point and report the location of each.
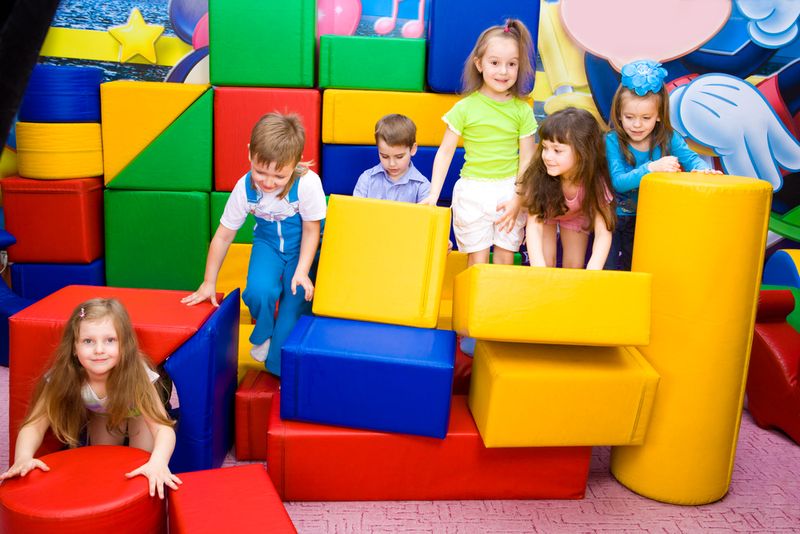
(137, 37)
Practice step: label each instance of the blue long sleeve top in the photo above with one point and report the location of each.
(626, 178)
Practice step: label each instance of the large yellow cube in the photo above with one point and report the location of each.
(233, 274)
(382, 261)
(547, 305)
(526, 395)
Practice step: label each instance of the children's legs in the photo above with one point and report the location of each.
(627, 228)
(502, 256)
(263, 289)
(481, 256)
(574, 245)
(139, 435)
(99, 434)
(549, 244)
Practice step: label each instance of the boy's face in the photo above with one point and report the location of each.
(395, 159)
(269, 178)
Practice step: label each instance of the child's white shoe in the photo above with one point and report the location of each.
(259, 352)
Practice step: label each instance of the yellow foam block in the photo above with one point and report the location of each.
(456, 262)
(135, 113)
(233, 274)
(245, 361)
(349, 117)
(525, 395)
(59, 150)
(548, 305)
(382, 261)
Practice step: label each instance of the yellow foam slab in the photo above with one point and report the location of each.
(549, 305)
(456, 262)
(135, 113)
(233, 274)
(525, 395)
(382, 261)
(349, 117)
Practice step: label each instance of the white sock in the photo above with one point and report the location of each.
(259, 352)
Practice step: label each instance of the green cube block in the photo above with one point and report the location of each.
(384, 63)
(245, 233)
(262, 42)
(156, 239)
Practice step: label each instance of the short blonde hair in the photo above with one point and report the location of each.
(396, 130)
(515, 29)
(279, 139)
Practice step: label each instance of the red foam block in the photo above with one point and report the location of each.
(54, 221)
(84, 491)
(236, 110)
(253, 402)
(231, 499)
(309, 462)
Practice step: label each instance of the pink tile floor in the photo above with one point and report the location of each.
(764, 497)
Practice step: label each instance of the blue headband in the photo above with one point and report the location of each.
(643, 76)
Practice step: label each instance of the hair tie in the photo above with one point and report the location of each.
(643, 76)
(506, 29)
(82, 314)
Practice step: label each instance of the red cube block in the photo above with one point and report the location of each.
(253, 402)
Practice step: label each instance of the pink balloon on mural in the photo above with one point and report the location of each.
(200, 35)
(338, 17)
(622, 31)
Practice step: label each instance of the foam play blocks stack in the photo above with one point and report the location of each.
(37, 280)
(245, 233)
(59, 150)
(455, 264)
(262, 43)
(253, 403)
(355, 62)
(312, 462)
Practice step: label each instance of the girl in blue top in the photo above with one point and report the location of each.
(641, 141)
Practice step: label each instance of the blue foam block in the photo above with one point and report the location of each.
(10, 303)
(455, 26)
(37, 280)
(343, 164)
(368, 375)
(781, 270)
(203, 371)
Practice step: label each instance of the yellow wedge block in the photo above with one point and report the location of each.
(233, 274)
(349, 117)
(525, 395)
(548, 305)
(455, 264)
(382, 261)
(135, 113)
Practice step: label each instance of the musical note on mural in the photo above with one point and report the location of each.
(411, 29)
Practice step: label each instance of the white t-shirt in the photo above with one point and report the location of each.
(96, 404)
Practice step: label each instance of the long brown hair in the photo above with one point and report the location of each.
(472, 79)
(280, 139)
(128, 386)
(542, 194)
(662, 132)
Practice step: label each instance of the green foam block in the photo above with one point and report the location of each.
(218, 200)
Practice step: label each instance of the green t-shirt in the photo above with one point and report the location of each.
(491, 131)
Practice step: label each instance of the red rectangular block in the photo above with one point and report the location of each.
(309, 462)
(231, 499)
(236, 110)
(253, 402)
(54, 221)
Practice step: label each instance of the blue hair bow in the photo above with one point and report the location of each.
(643, 76)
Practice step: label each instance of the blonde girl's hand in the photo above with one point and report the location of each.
(158, 475)
(708, 171)
(509, 211)
(21, 469)
(206, 291)
(428, 201)
(665, 164)
(305, 282)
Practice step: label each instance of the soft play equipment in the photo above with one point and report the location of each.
(773, 382)
(462, 372)
(454, 27)
(156, 239)
(59, 150)
(368, 375)
(783, 268)
(85, 491)
(537, 300)
(455, 264)
(349, 116)
(54, 221)
(37, 280)
(309, 462)
(233, 272)
(218, 201)
(702, 328)
(198, 342)
(267, 43)
(356, 62)
(527, 395)
(135, 113)
(345, 163)
(237, 109)
(253, 401)
(62, 94)
(179, 159)
(233, 499)
(401, 280)
(10, 302)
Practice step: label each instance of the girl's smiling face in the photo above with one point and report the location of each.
(499, 67)
(638, 116)
(97, 347)
(559, 159)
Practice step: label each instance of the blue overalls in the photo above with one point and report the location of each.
(273, 260)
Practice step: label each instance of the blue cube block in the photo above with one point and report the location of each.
(368, 375)
(37, 280)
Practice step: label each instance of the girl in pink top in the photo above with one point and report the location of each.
(566, 192)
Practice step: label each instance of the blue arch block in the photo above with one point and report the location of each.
(781, 270)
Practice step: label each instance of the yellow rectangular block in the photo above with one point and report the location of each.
(525, 395)
(456, 262)
(548, 305)
(233, 274)
(349, 117)
(382, 261)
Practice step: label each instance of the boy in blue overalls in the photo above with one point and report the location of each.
(288, 203)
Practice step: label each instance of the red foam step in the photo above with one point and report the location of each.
(253, 402)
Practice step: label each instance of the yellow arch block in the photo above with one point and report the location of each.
(59, 150)
(349, 117)
(456, 263)
(549, 305)
(233, 274)
(525, 395)
(382, 261)
(135, 113)
(703, 238)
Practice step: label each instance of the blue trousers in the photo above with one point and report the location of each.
(621, 253)
(269, 280)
